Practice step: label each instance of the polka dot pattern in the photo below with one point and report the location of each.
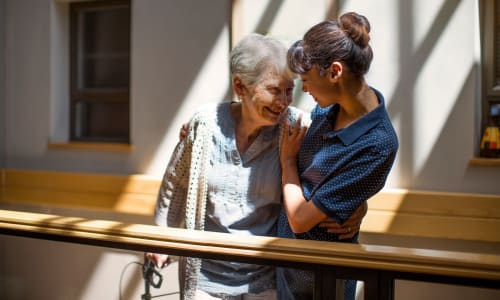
(338, 171)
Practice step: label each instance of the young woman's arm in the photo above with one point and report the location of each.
(302, 215)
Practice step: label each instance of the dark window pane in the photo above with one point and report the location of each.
(100, 70)
(104, 47)
(102, 121)
(105, 72)
(106, 30)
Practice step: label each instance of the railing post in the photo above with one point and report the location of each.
(379, 286)
(327, 286)
(339, 290)
(386, 285)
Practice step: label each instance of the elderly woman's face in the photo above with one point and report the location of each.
(269, 98)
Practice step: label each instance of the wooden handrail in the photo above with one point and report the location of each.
(397, 212)
(480, 269)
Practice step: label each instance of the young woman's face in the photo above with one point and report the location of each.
(269, 98)
(317, 86)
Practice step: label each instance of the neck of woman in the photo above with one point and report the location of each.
(246, 131)
(359, 99)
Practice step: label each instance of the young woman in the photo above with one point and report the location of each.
(348, 150)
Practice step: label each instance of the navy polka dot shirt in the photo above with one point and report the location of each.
(340, 169)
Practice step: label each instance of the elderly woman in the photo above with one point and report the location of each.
(349, 148)
(225, 175)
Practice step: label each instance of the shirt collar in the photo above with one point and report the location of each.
(351, 133)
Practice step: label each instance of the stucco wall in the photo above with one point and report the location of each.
(426, 63)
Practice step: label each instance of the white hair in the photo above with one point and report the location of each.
(257, 54)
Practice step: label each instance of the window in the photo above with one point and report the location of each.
(490, 56)
(100, 71)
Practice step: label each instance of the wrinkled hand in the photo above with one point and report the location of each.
(183, 131)
(291, 141)
(160, 260)
(350, 227)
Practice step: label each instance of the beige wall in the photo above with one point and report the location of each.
(426, 64)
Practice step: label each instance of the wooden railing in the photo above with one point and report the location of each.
(377, 266)
(397, 212)
(405, 213)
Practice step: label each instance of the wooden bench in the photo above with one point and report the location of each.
(132, 194)
(428, 214)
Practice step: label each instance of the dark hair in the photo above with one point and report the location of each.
(345, 40)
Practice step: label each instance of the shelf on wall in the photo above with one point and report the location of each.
(482, 161)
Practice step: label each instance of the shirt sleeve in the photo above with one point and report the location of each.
(345, 188)
(292, 114)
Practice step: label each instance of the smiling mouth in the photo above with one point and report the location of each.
(276, 113)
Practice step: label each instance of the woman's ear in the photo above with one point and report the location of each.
(335, 71)
(238, 86)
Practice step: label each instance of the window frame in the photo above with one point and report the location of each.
(95, 95)
(489, 15)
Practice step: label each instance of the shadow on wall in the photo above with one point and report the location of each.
(448, 152)
(170, 52)
(411, 63)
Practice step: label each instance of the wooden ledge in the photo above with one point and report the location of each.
(92, 146)
(253, 249)
(131, 194)
(399, 212)
(490, 162)
(461, 216)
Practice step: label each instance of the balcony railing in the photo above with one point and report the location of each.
(378, 266)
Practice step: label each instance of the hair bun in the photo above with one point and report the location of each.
(357, 27)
